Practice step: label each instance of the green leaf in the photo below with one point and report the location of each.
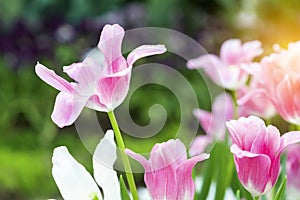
(225, 169)
(280, 193)
(208, 175)
(124, 192)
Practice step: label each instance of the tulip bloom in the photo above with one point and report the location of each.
(279, 80)
(74, 181)
(213, 123)
(168, 172)
(99, 87)
(256, 149)
(226, 70)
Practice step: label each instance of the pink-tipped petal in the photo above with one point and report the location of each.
(113, 90)
(204, 117)
(82, 72)
(144, 51)
(51, 78)
(267, 142)
(251, 50)
(67, 108)
(288, 139)
(184, 177)
(244, 130)
(253, 170)
(110, 45)
(230, 51)
(199, 144)
(143, 161)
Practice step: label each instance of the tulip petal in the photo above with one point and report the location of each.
(51, 78)
(85, 72)
(142, 160)
(244, 130)
(288, 139)
(251, 50)
(103, 160)
(199, 144)
(67, 108)
(186, 189)
(113, 90)
(230, 52)
(253, 170)
(267, 142)
(110, 46)
(205, 119)
(72, 179)
(144, 51)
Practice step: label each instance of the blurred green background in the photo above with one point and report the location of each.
(58, 33)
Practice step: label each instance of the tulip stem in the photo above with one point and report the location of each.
(124, 157)
(235, 104)
(256, 198)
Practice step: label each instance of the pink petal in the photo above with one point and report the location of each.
(67, 108)
(110, 45)
(230, 52)
(169, 153)
(86, 74)
(143, 161)
(244, 130)
(51, 78)
(144, 51)
(222, 110)
(199, 144)
(186, 186)
(253, 170)
(204, 117)
(113, 90)
(267, 142)
(288, 139)
(251, 50)
(85, 71)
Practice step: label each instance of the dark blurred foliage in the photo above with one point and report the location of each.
(58, 33)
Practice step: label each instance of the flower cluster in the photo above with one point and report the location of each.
(262, 88)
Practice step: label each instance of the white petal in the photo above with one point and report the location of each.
(103, 160)
(72, 179)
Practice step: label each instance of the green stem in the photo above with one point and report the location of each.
(256, 198)
(235, 105)
(124, 157)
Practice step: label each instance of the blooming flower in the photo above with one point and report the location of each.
(258, 105)
(101, 88)
(278, 78)
(168, 172)
(256, 149)
(213, 123)
(227, 70)
(74, 181)
(293, 171)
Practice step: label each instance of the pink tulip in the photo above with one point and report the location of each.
(278, 79)
(227, 70)
(256, 149)
(213, 123)
(99, 87)
(293, 167)
(258, 105)
(168, 172)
